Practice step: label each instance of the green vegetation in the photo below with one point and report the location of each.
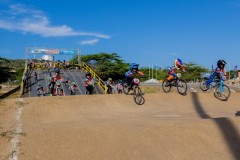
(111, 65)
(193, 73)
(105, 65)
(11, 70)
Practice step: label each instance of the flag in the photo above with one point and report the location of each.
(235, 68)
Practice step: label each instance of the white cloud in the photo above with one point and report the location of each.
(29, 20)
(89, 42)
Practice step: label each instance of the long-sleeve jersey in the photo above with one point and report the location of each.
(132, 74)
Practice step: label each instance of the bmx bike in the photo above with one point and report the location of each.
(179, 83)
(221, 91)
(137, 92)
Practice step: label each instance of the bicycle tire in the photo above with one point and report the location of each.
(138, 96)
(166, 86)
(203, 84)
(222, 96)
(140, 100)
(181, 86)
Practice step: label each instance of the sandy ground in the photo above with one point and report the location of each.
(7, 126)
(167, 126)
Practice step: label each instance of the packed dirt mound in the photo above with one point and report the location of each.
(7, 126)
(167, 126)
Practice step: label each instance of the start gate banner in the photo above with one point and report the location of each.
(53, 51)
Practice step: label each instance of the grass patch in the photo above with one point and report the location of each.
(19, 103)
(150, 89)
(10, 133)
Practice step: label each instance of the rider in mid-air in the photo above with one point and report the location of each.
(133, 70)
(172, 71)
(220, 68)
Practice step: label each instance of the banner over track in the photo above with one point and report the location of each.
(35, 50)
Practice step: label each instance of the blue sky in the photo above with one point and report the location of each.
(141, 31)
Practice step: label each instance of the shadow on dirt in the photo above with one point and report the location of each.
(227, 128)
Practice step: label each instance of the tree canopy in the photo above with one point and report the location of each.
(111, 65)
(11, 69)
(105, 65)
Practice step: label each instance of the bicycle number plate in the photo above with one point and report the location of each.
(224, 78)
(136, 81)
(179, 75)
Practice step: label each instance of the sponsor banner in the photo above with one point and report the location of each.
(53, 51)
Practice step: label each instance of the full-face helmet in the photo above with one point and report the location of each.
(134, 66)
(221, 64)
(178, 63)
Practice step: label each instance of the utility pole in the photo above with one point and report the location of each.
(229, 70)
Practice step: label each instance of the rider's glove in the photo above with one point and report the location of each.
(141, 73)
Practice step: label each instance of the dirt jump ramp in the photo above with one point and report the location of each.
(112, 127)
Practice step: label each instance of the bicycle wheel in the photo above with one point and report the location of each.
(203, 84)
(137, 96)
(166, 86)
(223, 93)
(181, 86)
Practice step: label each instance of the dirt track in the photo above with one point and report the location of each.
(167, 126)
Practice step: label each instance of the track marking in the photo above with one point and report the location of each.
(46, 79)
(65, 79)
(17, 132)
(166, 116)
(79, 77)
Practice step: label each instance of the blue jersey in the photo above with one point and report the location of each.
(130, 73)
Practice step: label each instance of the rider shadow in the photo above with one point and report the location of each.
(35, 82)
(184, 94)
(227, 128)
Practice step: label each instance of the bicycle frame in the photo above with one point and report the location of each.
(218, 82)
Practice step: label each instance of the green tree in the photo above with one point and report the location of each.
(11, 69)
(4, 71)
(105, 65)
(194, 72)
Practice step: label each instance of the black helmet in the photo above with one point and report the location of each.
(88, 74)
(221, 63)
